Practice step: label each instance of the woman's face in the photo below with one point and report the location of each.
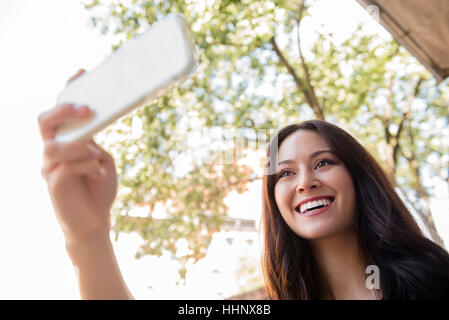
(306, 171)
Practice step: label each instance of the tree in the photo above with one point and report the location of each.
(252, 76)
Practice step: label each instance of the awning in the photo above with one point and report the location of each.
(421, 26)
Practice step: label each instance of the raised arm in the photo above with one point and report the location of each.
(82, 184)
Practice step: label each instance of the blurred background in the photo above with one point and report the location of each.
(187, 215)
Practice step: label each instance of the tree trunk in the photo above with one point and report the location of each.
(426, 214)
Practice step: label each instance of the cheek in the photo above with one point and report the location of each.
(339, 180)
(342, 182)
(281, 194)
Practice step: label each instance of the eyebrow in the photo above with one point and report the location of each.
(316, 153)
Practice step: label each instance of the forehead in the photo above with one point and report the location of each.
(301, 143)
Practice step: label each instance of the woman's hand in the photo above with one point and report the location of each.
(81, 177)
(82, 183)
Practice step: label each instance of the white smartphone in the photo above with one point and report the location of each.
(139, 71)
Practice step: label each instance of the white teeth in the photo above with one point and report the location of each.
(311, 204)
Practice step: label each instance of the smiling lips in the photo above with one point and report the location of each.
(314, 204)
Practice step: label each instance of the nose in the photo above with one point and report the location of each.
(307, 182)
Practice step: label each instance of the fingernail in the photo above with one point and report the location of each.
(102, 172)
(80, 108)
(93, 149)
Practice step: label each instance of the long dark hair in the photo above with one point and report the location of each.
(411, 266)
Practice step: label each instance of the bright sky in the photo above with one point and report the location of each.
(42, 44)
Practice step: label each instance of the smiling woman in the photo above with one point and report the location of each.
(330, 213)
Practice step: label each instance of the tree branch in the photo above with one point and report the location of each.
(311, 89)
(405, 116)
(389, 110)
(300, 84)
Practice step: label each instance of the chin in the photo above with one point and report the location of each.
(318, 232)
(324, 233)
(315, 235)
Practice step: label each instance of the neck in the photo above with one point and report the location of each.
(342, 267)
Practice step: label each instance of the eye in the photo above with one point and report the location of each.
(282, 174)
(323, 162)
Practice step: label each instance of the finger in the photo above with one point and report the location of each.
(90, 168)
(55, 153)
(105, 157)
(51, 119)
(76, 75)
